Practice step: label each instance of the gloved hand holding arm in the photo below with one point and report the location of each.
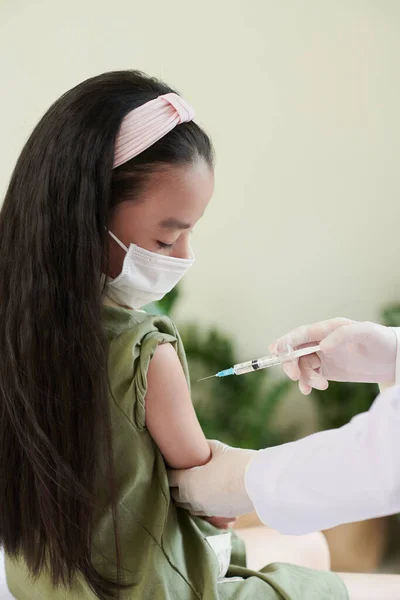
(323, 480)
(350, 351)
(217, 488)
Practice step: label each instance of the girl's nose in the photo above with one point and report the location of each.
(182, 247)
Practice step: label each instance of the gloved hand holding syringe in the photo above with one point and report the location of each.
(265, 362)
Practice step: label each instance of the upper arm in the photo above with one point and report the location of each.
(170, 416)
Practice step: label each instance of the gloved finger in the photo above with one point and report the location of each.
(310, 375)
(173, 478)
(186, 505)
(309, 362)
(221, 522)
(292, 369)
(216, 447)
(291, 366)
(177, 476)
(304, 388)
(177, 496)
(307, 334)
(317, 382)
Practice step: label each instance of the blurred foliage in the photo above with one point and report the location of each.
(391, 315)
(240, 410)
(165, 305)
(342, 401)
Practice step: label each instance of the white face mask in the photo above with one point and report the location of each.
(145, 277)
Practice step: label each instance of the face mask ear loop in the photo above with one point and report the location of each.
(114, 237)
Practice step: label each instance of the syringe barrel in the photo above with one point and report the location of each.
(271, 361)
(256, 364)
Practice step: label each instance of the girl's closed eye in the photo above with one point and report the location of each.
(163, 245)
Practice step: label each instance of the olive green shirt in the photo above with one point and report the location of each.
(166, 554)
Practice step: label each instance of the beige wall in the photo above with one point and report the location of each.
(302, 100)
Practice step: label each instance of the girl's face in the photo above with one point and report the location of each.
(162, 219)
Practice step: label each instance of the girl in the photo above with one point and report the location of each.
(94, 396)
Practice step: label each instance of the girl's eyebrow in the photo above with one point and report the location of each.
(172, 223)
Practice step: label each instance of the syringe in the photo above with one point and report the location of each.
(264, 363)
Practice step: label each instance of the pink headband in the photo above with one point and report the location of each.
(145, 125)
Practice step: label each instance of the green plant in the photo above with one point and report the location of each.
(166, 304)
(342, 401)
(391, 315)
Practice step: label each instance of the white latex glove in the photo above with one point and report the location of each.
(350, 351)
(217, 488)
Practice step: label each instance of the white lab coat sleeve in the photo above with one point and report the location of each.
(332, 477)
(397, 332)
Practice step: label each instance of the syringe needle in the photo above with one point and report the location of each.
(204, 378)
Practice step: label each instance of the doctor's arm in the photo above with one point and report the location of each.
(328, 478)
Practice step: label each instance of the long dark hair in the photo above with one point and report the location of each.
(54, 406)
